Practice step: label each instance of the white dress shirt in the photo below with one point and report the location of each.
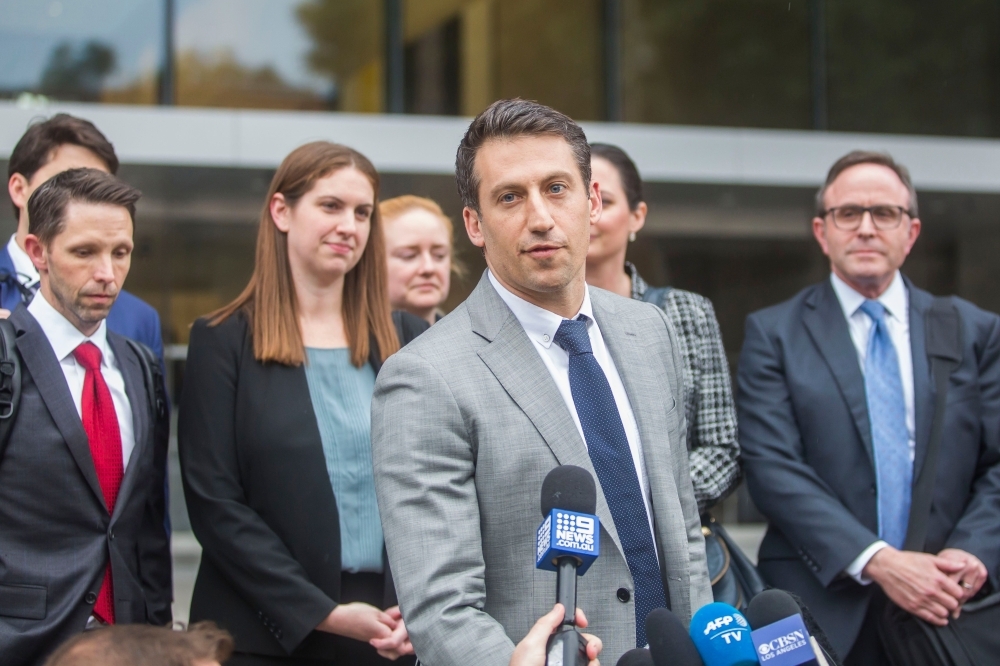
(896, 301)
(27, 274)
(64, 338)
(541, 326)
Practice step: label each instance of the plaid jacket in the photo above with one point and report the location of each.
(713, 450)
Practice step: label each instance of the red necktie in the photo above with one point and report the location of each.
(101, 425)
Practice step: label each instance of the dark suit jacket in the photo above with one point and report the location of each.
(130, 316)
(55, 530)
(259, 495)
(807, 448)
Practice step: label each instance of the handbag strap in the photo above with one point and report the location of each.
(944, 351)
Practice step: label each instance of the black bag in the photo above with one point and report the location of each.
(734, 577)
(972, 639)
(735, 580)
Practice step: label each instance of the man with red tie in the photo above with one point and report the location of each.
(82, 538)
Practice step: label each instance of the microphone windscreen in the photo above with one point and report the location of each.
(570, 488)
(669, 642)
(816, 631)
(770, 606)
(722, 636)
(636, 657)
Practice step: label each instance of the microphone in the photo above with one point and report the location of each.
(636, 657)
(722, 636)
(780, 635)
(669, 643)
(568, 542)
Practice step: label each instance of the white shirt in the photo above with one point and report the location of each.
(541, 326)
(64, 338)
(896, 301)
(27, 274)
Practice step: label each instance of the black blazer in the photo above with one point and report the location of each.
(807, 448)
(258, 494)
(55, 528)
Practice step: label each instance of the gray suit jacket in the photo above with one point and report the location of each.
(55, 528)
(466, 423)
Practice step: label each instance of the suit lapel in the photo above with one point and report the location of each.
(646, 390)
(825, 321)
(513, 360)
(924, 392)
(42, 364)
(135, 389)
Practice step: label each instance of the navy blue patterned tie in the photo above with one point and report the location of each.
(612, 459)
(890, 436)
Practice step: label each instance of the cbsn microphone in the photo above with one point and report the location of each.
(722, 636)
(568, 542)
(779, 633)
(669, 643)
(636, 657)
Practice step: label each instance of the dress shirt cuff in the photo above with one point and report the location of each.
(856, 568)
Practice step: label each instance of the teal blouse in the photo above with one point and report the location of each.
(342, 399)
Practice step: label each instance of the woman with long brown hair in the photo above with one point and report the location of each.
(274, 430)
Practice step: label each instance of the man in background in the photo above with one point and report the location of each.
(82, 535)
(836, 400)
(63, 142)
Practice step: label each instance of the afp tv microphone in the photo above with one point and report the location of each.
(568, 542)
(722, 636)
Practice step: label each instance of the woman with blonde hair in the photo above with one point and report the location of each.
(420, 247)
(274, 430)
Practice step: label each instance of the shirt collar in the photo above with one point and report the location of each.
(63, 335)
(894, 298)
(540, 324)
(27, 274)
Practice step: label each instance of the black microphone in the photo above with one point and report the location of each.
(774, 615)
(568, 541)
(636, 657)
(669, 642)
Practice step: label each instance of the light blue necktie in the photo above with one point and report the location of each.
(890, 437)
(609, 451)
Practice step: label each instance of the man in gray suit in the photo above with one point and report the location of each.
(534, 370)
(82, 537)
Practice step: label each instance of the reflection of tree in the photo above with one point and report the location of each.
(76, 74)
(347, 46)
(219, 79)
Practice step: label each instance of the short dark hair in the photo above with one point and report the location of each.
(35, 148)
(510, 119)
(47, 205)
(627, 171)
(130, 644)
(856, 157)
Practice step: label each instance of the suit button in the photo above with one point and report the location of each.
(873, 490)
(111, 534)
(90, 598)
(277, 634)
(624, 595)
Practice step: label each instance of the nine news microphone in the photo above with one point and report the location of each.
(568, 542)
(669, 643)
(779, 631)
(722, 636)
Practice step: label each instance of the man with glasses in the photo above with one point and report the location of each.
(836, 400)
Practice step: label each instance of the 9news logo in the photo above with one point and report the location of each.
(574, 531)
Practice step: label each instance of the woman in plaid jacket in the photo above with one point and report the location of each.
(713, 450)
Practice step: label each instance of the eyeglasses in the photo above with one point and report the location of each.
(885, 217)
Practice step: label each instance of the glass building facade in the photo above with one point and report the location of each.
(873, 66)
